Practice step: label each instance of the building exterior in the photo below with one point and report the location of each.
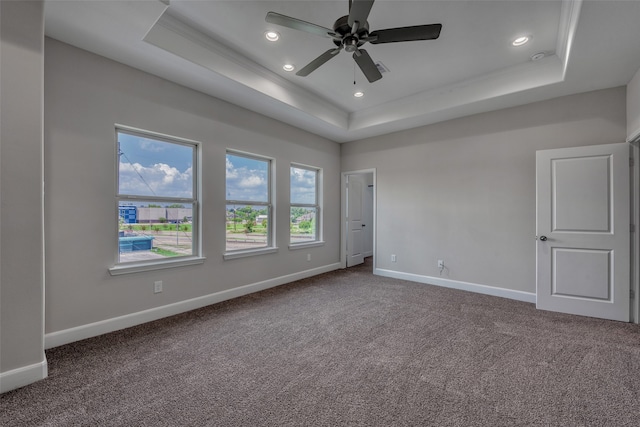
(128, 214)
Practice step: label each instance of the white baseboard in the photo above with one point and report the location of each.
(23, 376)
(55, 339)
(463, 286)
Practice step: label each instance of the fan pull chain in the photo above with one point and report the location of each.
(354, 73)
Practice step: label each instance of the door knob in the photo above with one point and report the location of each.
(543, 238)
(364, 225)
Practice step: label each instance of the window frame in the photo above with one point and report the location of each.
(271, 211)
(318, 241)
(196, 247)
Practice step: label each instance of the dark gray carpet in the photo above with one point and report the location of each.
(345, 348)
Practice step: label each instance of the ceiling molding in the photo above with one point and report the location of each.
(450, 98)
(569, 16)
(218, 49)
(178, 38)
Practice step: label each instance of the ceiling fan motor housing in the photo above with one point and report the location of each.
(351, 42)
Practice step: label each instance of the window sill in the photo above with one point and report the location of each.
(150, 266)
(306, 245)
(248, 253)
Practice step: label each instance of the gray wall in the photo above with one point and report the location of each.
(633, 108)
(21, 263)
(464, 190)
(85, 95)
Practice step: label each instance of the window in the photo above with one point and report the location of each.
(249, 210)
(305, 209)
(157, 198)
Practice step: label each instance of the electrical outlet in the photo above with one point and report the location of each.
(308, 257)
(393, 258)
(157, 287)
(440, 264)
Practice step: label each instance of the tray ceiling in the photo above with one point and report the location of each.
(219, 48)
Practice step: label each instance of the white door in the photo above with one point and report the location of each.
(355, 234)
(583, 233)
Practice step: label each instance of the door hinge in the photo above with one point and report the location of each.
(632, 228)
(631, 162)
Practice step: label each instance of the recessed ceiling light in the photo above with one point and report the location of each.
(288, 67)
(358, 94)
(520, 41)
(272, 36)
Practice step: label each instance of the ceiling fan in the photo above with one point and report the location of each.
(352, 31)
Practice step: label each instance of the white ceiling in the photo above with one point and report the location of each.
(219, 48)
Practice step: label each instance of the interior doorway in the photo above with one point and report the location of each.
(358, 217)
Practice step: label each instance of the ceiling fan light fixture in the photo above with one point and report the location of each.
(358, 94)
(272, 36)
(521, 40)
(288, 67)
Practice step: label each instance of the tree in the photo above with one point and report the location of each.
(305, 225)
(153, 205)
(297, 213)
(248, 226)
(176, 205)
(162, 220)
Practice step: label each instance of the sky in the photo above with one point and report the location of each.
(247, 179)
(155, 168)
(303, 186)
(149, 167)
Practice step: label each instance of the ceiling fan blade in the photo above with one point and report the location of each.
(359, 11)
(367, 65)
(297, 24)
(316, 63)
(406, 34)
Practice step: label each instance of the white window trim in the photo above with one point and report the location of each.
(128, 268)
(305, 245)
(245, 253)
(196, 235)
(318, 241)
(271, 230)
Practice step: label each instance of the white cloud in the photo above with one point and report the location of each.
(303, 185)
(231, 172)
(151, 145)
(251, 181)
(159, 180)
(245, 183)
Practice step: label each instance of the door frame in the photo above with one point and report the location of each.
(343, 213)
(634, 184)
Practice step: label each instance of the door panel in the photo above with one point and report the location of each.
(583, 231)
(355, 235)
(582, 273)
(582, 194)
